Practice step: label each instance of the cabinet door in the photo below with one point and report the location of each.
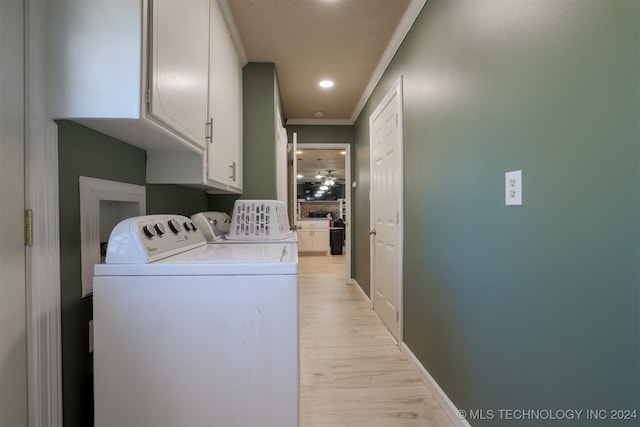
(305, 240)
(219, 76)
(321, 239)
(179, 66)
(235, 122)
(224, 151)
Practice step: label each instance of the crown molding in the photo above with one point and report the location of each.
(342, 122)
(233, 30)
(409, 17)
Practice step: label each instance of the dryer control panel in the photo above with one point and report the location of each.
(214, 225)
(148, 238)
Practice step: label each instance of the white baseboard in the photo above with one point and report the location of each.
(362, 292)
(447, 405)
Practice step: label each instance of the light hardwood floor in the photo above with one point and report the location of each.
(351, 371)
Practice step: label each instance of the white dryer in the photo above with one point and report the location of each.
(252, 221)
(214, 225)
(187, 333)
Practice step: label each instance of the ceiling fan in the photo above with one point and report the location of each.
(328, 180)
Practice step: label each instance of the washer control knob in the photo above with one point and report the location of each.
(149, 231)
(187, 226)
(174, 226)
(160, 229)
(194, 227)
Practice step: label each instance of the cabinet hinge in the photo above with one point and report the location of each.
(28, 227)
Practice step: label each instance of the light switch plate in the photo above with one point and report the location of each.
(513, 188)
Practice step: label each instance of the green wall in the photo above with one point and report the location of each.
(360, 172)
(222, 202)
(261, 95)
(259, 132)
(84, 152)
(534, 306)
(321, 133)
(175, 199)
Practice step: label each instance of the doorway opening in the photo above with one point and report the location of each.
(323, 190)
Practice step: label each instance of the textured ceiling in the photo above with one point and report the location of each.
(311, 40)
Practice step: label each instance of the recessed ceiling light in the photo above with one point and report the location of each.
(318, 114)
(326, 83)
(298, 152)
(299, 176)
(343, 153)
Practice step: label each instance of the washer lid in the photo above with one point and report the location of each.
(220, 259)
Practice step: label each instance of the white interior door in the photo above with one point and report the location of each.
(386, 204)
(13, 316)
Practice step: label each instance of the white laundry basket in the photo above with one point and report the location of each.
(259, 220)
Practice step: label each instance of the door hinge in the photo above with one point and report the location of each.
(28, 227)
(147, 97)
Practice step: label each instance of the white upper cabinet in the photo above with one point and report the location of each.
(179, 65)
(163, 75)
(107, 64)
(220, 169)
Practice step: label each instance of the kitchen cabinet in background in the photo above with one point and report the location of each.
(313, 235)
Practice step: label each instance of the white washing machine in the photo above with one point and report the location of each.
(191, 334)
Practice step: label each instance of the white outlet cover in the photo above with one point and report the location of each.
(513, 188)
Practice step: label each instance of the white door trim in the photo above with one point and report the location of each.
(13, 306)
(347, 188)
(44, 351)
(293, 202)
(43, 278)
(92, 192)
(395, 91)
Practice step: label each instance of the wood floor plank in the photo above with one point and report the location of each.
(351, 371)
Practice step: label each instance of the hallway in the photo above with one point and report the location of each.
(351, 372)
